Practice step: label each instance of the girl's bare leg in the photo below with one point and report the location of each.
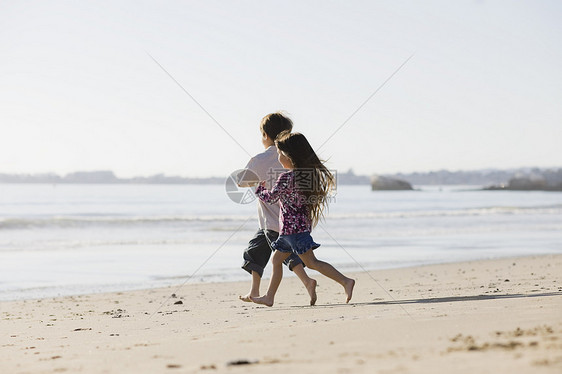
(309, 283)
(275, 281)
(255, 288)
(328, 270)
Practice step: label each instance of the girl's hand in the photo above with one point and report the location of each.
(262, 184)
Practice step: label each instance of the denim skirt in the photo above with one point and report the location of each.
(295, 243)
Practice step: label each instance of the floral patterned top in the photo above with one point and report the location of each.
(293, 215)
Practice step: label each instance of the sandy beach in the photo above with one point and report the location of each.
(494, 316)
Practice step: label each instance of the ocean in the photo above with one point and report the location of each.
(74, 239)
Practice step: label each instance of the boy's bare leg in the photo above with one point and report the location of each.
(255, 288)
(309, 283)
(328, 270)
(275, 281)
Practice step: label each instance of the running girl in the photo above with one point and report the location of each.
(303, 195)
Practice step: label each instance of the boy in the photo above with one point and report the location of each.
(265, 166)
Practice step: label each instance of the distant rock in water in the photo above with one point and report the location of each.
(380, 183)
(547, 181)
(527, 183)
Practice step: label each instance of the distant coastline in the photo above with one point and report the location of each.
(104, 177)
(489, 178)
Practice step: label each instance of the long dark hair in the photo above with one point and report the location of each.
(316, 181)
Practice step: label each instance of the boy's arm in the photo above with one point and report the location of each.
(247, 178)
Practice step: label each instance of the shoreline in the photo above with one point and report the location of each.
(489, 316)
(114, 288)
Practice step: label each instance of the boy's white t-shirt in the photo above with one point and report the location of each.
(267, 167)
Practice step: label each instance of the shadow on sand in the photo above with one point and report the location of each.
(450, 299)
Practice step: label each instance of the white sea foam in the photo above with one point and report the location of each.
(470, 212)
(89, 221)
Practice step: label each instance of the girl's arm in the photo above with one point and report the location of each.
(281, 186)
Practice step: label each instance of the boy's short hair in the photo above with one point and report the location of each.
(275, 123)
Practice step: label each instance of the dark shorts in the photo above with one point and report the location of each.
(296, 244)
(257, 255)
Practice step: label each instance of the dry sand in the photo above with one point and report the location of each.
(496, 316)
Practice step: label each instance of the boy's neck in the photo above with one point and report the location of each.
(268, 143)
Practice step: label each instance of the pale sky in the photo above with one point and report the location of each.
(78, 90)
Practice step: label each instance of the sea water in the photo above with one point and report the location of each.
(72, 239)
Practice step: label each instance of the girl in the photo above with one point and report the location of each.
(302, 192)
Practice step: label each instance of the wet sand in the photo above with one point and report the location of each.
(494, 316)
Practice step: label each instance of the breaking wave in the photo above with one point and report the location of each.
(127, 221)
(85, 222)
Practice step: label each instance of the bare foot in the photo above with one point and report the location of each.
(247, 298)
(311, 288)
(349, 289)
(264, 300)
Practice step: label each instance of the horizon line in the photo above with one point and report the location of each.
(347, 171)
